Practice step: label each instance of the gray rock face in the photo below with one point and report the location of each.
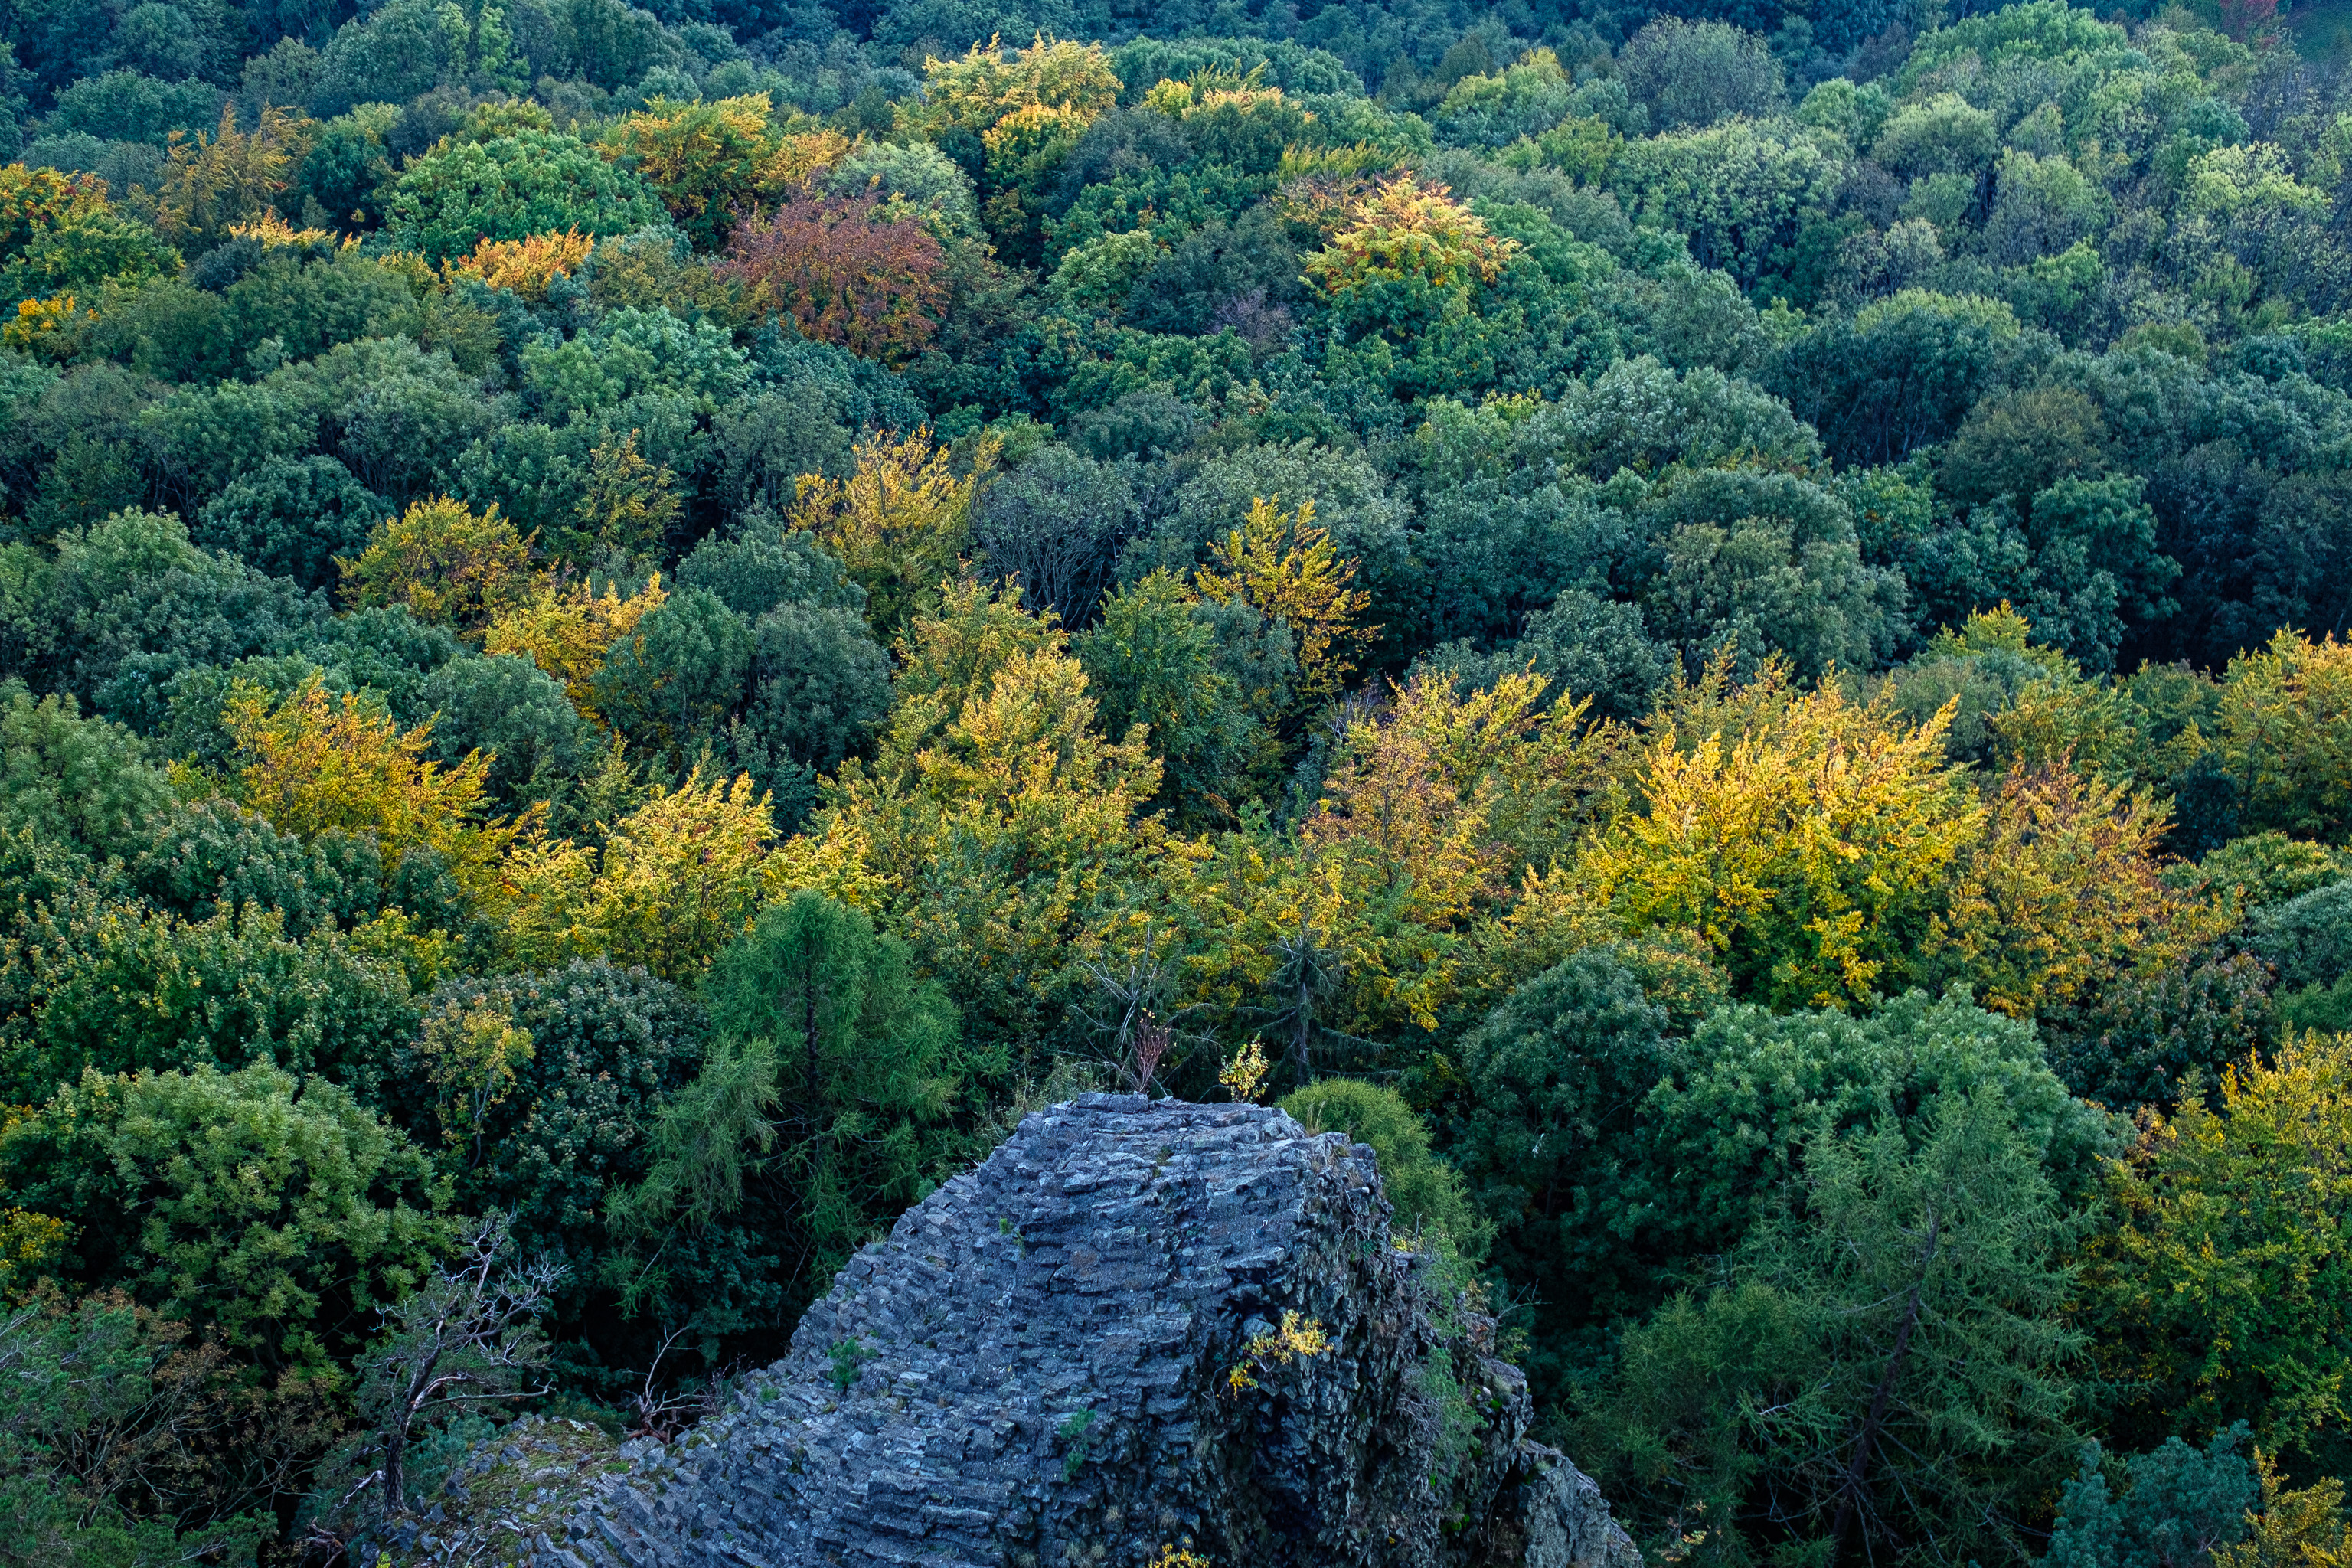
(1037, 1368)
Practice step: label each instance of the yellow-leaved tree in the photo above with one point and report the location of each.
(979, 88)
(1413, 234)
(524, 266)
(1028, 108)
(713, 161)
(231, 176)
(1385, 904)
(313, 762)
(472, 1053)
(2285, 736)
(900, 522)
(1007, 829)
(1808, 845)
(567, 628)
(1286, 568)
(2217, 1292)
(626, 510)
(446, 563)
(671, 883)
(2061, 896)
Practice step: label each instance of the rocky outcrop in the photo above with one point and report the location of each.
(1038, 1367)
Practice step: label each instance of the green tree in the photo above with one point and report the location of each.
(1696, 73)
(85, 782)
(136, 603)
(761, 564)
(1742, 190)
(292, 519)
(819, 691)
(1550, 1085)
(846, 1068)
(281, 1210)
(534, 182)
(672, 682)
(512, 713)
(115, 987)
(1758, 563)
(2181, 1507)
(1885, 1364)
(1899, 373)
(1425, 1192)
(107, 1438)
(1155, 659)
(2308, 940)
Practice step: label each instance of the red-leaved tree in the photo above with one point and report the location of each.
(869, 284)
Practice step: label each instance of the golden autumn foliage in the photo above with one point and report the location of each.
(230, 177)
(2302, 1526)
(525, 267)
(713, 162)
(1406, 832)
(983, 86)
(47, 329)
(2059, 894)
(1284, 567)
(312, 762)
(996, 819)
(1468, 790)
(1384, 912)
(1031, 140)
(2284, 734)
(472, 1053)
(448, 564)
(900, 522)
(33, 201)
(993, 711)
(1807, 848)
(1207, 90)
(673, 881)
(2217, 1290)
(274, 233)
(1408, 232)
(567, 628)
(30, 1246)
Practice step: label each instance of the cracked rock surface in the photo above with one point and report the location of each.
(1035, 1369)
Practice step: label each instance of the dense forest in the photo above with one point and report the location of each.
(625, 634)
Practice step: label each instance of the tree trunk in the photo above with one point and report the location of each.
(1302, 1032)
(396, 1465)
(815, 1105)
(1857, 1469)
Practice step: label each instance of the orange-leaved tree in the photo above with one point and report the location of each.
(846, 273)
(526, 266)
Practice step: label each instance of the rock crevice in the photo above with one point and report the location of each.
(1037, 1368)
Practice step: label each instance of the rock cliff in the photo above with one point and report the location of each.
(1038, 1367)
